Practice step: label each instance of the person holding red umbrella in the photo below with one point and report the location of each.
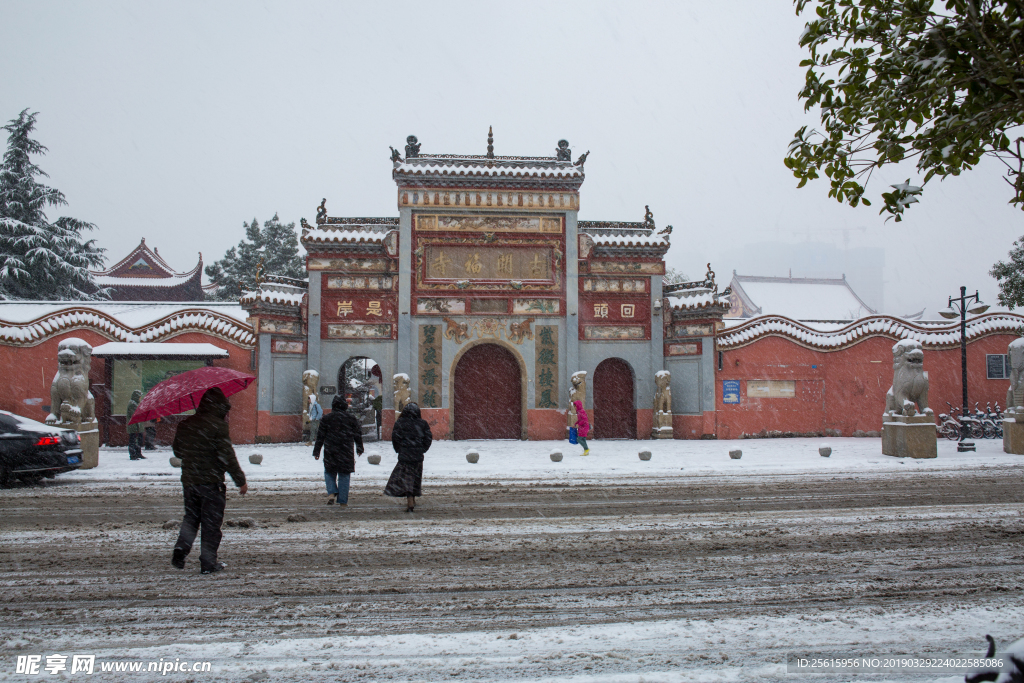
(203, 443)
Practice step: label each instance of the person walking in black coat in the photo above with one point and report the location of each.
(411, 438)
(338, 431)
(203, 443)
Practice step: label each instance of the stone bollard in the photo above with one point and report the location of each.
(473, 457)
(373, 459)
(825, 451)
(175, 462)
(256, 458)
(645, 455)
(736, 454)
(556, 456)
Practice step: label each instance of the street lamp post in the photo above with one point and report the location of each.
(961, 306)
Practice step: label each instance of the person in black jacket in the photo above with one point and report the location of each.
(338, 430)
(203, 442)
(411, 438)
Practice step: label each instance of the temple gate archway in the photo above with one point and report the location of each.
(487, 394)
(614, 411)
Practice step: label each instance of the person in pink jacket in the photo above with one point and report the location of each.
(582, 425)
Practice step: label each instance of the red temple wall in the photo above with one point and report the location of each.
(843, 390)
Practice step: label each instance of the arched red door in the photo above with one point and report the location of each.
(488, 394)
(614, 413)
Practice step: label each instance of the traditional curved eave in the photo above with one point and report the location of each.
(77, 317)
(803, 334)
(624, 249)
(176, 280)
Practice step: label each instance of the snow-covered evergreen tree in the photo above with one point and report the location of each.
(39, 259)
(277, 244)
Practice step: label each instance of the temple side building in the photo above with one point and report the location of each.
(143, 275)
(489, 294)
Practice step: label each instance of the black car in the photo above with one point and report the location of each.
(30, 450)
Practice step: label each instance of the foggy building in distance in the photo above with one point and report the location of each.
(798, 298)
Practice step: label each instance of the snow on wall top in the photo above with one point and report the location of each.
(835, 336)
(29, 323)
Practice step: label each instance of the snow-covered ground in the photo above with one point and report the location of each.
(609, 461)
(745, 587)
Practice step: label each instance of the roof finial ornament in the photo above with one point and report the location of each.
(563, 153)
(583, 159)
(321, 211)
(648, 218)
(490, 142)
(395, 156)
(412, 147)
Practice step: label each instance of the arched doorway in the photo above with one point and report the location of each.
(614, 413)
(360, 381)
(488, 394)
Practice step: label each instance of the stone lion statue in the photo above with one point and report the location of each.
(71, 402)
(402, 393)
(1015, 394)
(909, 392)
(663, 392)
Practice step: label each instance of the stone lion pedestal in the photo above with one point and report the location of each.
(1013, 433)
(89, 433)
(909, 436)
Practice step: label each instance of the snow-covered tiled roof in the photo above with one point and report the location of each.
(278, 293)
(329, 234)
(116, 281)
(693, 299)
(623, 239)
(799, 298)
(835, 336)
(452, 166)
(29, 323)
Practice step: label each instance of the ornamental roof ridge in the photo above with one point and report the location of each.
(613, 227)
(483, 157)
(337, 220)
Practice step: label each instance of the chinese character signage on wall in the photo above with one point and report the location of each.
(430, 366)
(546, 384)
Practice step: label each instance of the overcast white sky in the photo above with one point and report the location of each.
(179, 121)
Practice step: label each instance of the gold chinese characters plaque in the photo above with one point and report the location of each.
(460, 262)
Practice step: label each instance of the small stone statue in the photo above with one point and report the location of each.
(563, 153)
(402, 393)
(662, 428)
(71, 402)
(583, 158)
(1015, 394)
(909, 392)
(412, 147)
(310, 382)
(578, 390)
(648, 217)
(321, 211)
(395, 156)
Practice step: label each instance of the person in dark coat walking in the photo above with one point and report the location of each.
(203, 443)
(136, 436)
(336, 435)
(411, 438)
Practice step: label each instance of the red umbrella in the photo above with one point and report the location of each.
(183, 392)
